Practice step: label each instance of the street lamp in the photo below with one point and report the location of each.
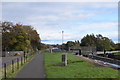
(1, 41)
(64, 55)
(62, 39)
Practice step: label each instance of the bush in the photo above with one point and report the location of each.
(17, 54)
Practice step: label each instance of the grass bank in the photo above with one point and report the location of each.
(76, 68)
(117, 53)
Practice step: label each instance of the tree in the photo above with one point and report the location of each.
(69, 44)
(99, 41)
(20, 37)
(117, 46)
(88, 40)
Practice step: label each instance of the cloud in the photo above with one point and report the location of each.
(108, 26)
(76, 19)
(48, 24)
(43, 18)
(0, 11)
(60, 0)
(108, 29)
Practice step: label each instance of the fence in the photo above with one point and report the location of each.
(88, 50)
(14, 65)
(114, 56)
(114, 61)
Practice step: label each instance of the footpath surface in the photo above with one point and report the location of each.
(34, 69)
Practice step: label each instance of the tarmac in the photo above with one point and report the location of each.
(34, 69)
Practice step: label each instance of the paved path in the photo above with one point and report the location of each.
(34, 69)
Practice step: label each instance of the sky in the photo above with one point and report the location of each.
(76, 19)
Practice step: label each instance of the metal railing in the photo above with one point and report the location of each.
(105, 59)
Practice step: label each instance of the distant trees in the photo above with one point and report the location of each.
(19, 37)
(88, 40)
(70, 44)
(99, 41)
(117, 47)
(26, 38)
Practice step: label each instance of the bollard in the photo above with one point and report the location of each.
(17, 63)
(12, 66)
(5, 71)
(64, 59)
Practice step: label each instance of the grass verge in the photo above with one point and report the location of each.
(117, 53)
(76, 68)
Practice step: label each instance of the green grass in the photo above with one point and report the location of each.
(9, 68)
(117, 53)
(76, 68)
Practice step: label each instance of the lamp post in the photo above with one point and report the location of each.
(62, 39)
(64, 55)
(1, 41)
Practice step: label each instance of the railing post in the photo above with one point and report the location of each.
(17, 63)
(12, 66)
(26, 58)
(5, 71)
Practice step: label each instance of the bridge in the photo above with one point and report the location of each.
(83, 50)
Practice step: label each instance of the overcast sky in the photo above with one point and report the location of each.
(76, 19)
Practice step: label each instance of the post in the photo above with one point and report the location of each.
(21, 61)
(12, 66)
(17, 63)
(64, 59)
(64, 55)
(5, 71)
(69, 49)
(79, 51)
(62, 40)
(24, 57)
(104, 52)
(50, 50)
